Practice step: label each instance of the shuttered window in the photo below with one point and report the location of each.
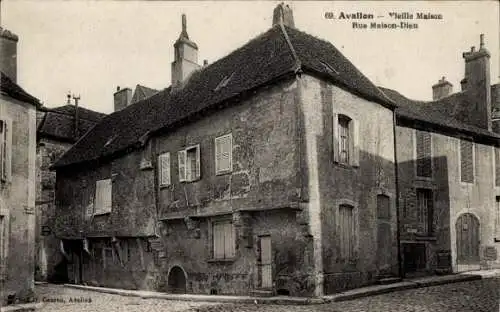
(425, 210)
(467, 161)
(497, 166)
(424, 160)
(345, 140)
(5, 148)
(223, 240)
(223, 154)
(347, 232)
(164, 169)
(103, 196)
(189, 164)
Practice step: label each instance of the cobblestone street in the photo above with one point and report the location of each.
(474, 296)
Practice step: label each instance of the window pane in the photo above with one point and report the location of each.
(343, 139)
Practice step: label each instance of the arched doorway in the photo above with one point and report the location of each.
(177, 280)
(467, 229)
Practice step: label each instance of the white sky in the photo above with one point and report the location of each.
(90, 47)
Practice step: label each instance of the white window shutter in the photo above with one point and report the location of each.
(335, 137)
(164, 168)
(223, 154)
(355, 142)
(181, 157)
(218, 155)
(197, 173)
(108, 195)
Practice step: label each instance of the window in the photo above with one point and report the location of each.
(424, 154)
(345, 140)
(5, 148)
(164, 169)
(223, 240)
(497, 219)
(103, 202)
(189, 164)
(224, 154)
(425, 207)
(347, 232)
(497, 166)
(108, 256)
(467, 161)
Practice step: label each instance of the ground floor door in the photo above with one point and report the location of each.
(384, 235)
(467, 235)
(266, 271)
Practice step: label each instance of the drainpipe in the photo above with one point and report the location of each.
(398, 232)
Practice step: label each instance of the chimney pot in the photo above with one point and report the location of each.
(118, 88)
(283, 14)
(472, 49)
(205, 62)
(122, 98)
(481, 41)
(441, 89)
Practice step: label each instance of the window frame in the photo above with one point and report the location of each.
(230, 157)
(183, 154)
(353, 145)
(427, 215)
(161, 182)
(5, 149)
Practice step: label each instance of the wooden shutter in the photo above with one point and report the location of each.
(466, 161)
(354, 129)
(335, 137)
(228, 240)
(423, 147)
(3, 157)
(181, 157)
(8, 153)
(223, 154)
(103, 196)
(3, 259)
(218, 240)
(347, 232)
(164, 169)
(197, 171)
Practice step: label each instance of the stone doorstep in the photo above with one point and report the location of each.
(28, 307)
(343, 296)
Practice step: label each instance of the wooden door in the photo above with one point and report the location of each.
(467, 229)
(266, 262)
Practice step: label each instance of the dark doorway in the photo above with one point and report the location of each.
(467, 228)
(177, 281)
(414, 257)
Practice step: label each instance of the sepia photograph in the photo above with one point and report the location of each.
(264, 156)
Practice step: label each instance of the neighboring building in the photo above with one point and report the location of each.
(17, 179)
(449, 173)
(264, 172)
(57, 130)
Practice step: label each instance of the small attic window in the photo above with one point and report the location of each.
(223, 82)
(329, 68)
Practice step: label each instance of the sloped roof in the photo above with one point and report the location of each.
(435, 112)
(142, 92)
(12, 89)
(264, 59)
(59, 122)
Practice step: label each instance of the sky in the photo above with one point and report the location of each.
(91, 47)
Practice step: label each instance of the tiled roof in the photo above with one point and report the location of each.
(261, 61)
(59, 122)
(435, 112)
(12, 89)
(142, 92)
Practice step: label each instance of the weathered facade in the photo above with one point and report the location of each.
(272, 177)
(17, 179)
(57, 130)
(448, 163)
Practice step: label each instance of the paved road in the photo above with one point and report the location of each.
(475, 296)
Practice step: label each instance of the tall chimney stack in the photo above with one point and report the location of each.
(283, 14)
(185, 58)
(441, 89)
(122, 98)
(8, 53)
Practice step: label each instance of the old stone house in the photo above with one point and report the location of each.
(57, 130)
(17, 178)
(263, 172)
(449, 173)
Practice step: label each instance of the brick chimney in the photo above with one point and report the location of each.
(441, 89)
(185, 58)
(283, 14)
(8, 53)
(477, 85)
(495, 104)
(122, 98)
